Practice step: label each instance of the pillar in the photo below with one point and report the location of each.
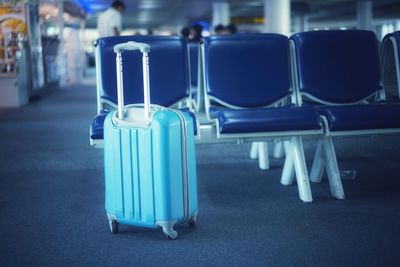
(397, 25)
(303, 23)
(220, 13)
(300, 23)
(61, 58)
(277, 16)
(364, 15)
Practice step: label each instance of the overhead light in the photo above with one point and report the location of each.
(149, 5)
(98, 7)
(144, 15)
(254, 4)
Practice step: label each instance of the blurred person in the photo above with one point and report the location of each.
(185, 32)
(196, 33)
(110, 21)
(231, 28)
(219, 29)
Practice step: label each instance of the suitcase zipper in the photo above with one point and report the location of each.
(185, 174)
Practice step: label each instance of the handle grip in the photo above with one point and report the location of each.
(131, 46)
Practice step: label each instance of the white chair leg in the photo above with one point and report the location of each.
(263, 160)
(300, 166)
(335, 182)
(286, 146)
(288, 168)
(278, 149)
(317, 169)
(254, 150)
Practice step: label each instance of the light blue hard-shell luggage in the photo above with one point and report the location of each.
(150, 165)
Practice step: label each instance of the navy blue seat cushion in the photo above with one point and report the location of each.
(361, 117)
(338, 67)
(268, 120)
(96, 129)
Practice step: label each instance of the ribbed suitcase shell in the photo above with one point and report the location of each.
(143, 171)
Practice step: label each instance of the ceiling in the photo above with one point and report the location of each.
(152, 14)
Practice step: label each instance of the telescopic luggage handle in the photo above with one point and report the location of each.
(145, 49)
(131, 46)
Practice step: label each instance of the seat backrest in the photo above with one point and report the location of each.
(247, 70)
(390, 52)
(194, 59)
(168, 66)
(395, 35)
(337, 67)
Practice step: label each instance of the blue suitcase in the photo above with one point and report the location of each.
(150, 165)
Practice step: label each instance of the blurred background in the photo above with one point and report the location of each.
(58, 36)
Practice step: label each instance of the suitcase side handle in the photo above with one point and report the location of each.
(145, 49)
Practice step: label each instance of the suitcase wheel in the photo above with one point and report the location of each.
(113, 227)
(193, 221)
(170, 233)
(168, 228)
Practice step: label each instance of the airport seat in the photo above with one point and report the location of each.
(339, 72)
(390, 51)
(169, 76)
(246, 77)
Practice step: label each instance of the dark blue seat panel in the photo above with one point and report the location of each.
(279, 119)
(396, 36)
(389, 66)
(193, 56)
(361, 117)
(168, 66)
(340, 66)
(247, 70)
(97, 127)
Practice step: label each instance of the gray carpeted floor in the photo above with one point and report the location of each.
(52, 202)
